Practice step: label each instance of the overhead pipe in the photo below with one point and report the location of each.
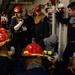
(7, 6)
(1, 5)
(53, 2)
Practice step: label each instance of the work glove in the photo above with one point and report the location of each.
(48, 57)
(12, 51)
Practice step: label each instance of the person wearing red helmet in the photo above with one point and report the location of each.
(5, 58)
(8, 64)
(41, 25)
(19, 29)
(33, 54)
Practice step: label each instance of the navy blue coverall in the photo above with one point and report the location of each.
(70, 48)
(19, 37)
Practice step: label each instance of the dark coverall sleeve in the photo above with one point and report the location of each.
(61, 19)
(33, 31)
(13, 23)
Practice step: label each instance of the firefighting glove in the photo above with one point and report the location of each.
(56, 56)
(12, 51)
(18, 25)
(24, 28)
(48, 57)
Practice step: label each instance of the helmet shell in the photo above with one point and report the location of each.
(17, 9)
(3, 39)
(3, 30)
(37, 9)
(33, 49)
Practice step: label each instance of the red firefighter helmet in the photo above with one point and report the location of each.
(33, 49)
(17, 9)
(3, 30)
(37, 9)
(3, 39)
